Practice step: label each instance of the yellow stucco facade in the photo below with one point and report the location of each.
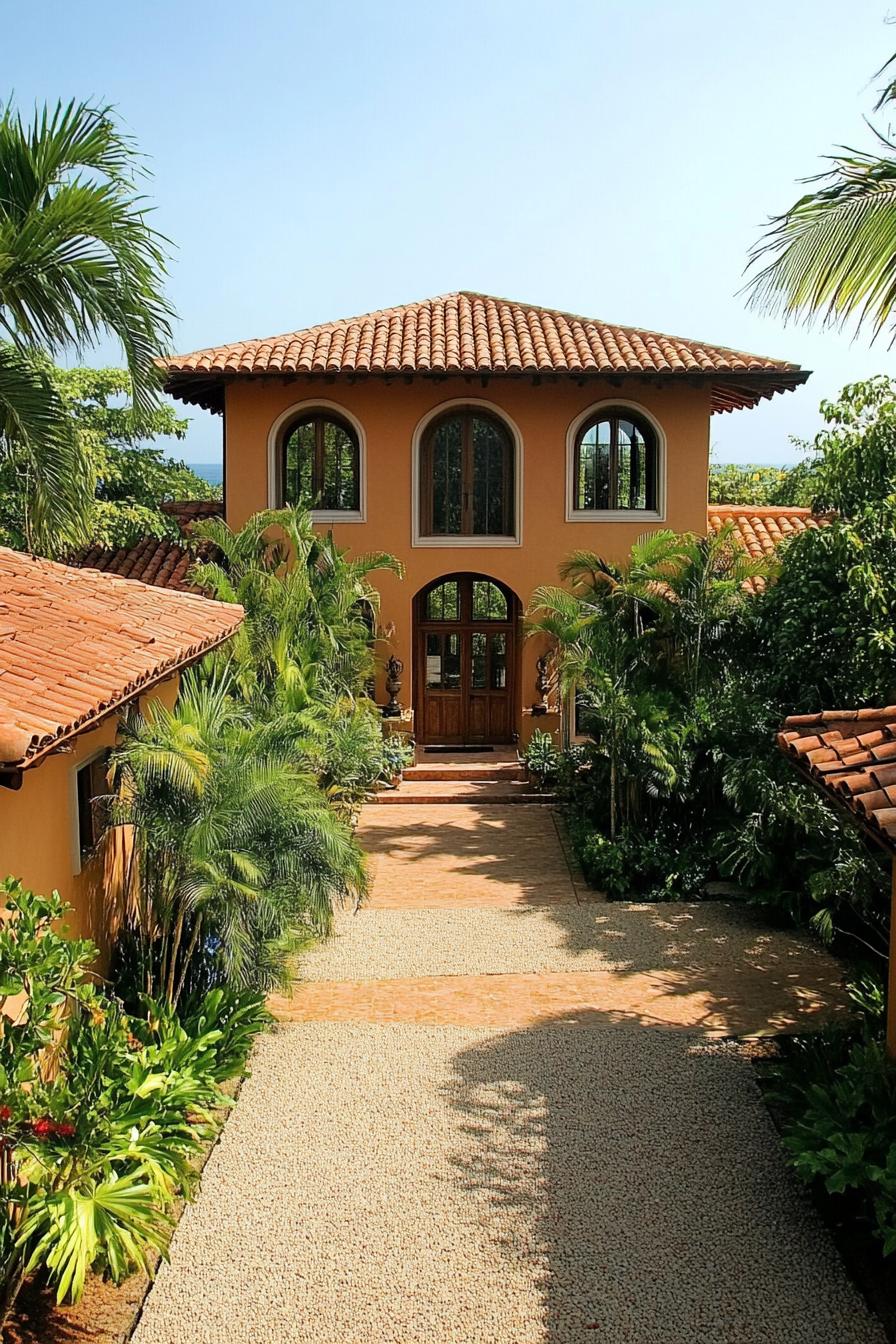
(39, 832)
(390, 417)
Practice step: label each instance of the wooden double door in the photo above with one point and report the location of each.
(465, 659)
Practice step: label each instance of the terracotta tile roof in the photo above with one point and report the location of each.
(75, 644)
(850, 755)
(162, 563)
(186, 512)
(477, 335)
(762, 529)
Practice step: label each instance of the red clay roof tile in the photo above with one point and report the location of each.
(476, 334)
(761, 529)
(76, 643)
(162, 563)
(854, 769)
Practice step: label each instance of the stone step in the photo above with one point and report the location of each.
(473, 773)
(463, 791)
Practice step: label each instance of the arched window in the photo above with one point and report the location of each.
(466, 476)
(321, 463)
(615, 463)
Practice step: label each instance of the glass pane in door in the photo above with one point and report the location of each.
(433, 662)
(489, 603)
(498, 662)
(477, 661)
(451, 676)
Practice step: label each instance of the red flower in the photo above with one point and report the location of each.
(5, 1114)
(46, 1128)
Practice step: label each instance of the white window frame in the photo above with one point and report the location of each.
(574, 515)
(275, 446)
(452, 543)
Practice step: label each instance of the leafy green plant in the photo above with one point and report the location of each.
(78, 261)
(760, 485)
(237, 854)
(397, 754)
(835, 1098)
(542, 759)
(102, 1114)
(831, 255)
(130, 477)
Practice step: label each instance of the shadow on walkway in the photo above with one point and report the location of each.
(639, 1176)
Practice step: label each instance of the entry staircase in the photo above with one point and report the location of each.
(454, 779)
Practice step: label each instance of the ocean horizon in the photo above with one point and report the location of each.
(213, 472)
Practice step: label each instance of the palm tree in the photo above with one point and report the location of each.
(310, 610)
(237, 857)
(78, 261)
(632, 641)
(833, 254)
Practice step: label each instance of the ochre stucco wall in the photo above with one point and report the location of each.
(38, 840)
(391, 412)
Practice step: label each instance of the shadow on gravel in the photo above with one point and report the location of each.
(637, 1176)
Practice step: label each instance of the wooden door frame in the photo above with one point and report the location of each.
(465, 627)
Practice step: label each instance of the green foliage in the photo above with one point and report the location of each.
(78, 262)
(542, 760)
(642, 645)
(237, 854)
(777, 486)
(835, 1097)
(128, 477)
(664, 865)
(307, 640)
(397, 754)
(102, 1116)
(825, 633)
(831, 255)
(856, 451)
(684, 680)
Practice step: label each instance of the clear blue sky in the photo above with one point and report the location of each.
(314, 161)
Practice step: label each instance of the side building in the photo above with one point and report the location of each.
(77, 647)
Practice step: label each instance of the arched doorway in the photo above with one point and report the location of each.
(465, 652)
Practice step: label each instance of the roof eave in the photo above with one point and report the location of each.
(92, 721)
(731, 391)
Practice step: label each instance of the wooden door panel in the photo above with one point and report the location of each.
(465, 663)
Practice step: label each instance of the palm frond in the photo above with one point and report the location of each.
(832, 255)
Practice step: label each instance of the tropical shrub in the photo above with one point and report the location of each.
(102, 1115)
(236, 855)
(834, 1095)
(397, 754)
(542, 759)
(308, 638)
(759, 485)
(130, 476)
(351, 760)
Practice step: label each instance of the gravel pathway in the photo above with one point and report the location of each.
(528, 1184)
(405, 1184)
(390, 944)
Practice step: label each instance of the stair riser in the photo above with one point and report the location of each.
(495, 774)
(459, 799)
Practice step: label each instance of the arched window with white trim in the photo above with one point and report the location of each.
(320, 463)
(615, 463)
(466, 476)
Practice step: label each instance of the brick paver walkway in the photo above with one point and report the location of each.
(492, 1116)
